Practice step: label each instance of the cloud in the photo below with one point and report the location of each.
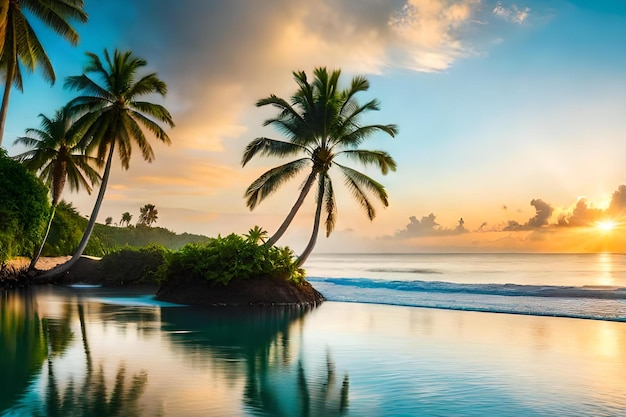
(427, 226)
(512, 14)
(541, 218)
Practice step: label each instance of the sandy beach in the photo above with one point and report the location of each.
(43, 264)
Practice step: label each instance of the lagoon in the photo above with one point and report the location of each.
(110, 352)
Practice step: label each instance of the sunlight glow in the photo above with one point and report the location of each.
(606, 225)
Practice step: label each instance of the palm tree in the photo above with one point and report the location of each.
(119, 117)
(322, 123)
(148, 215)
(55, 154)
(126, 218)
(256, 234)
(20, 45)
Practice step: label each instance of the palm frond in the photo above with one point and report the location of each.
(359, 183)
(270, 147)
(382, 159)
(330, 205)
(271, 180)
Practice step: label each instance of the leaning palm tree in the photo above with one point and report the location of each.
(113, 101)
(321, 123)
(58, 159)
(20, 45)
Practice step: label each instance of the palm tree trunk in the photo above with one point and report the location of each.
(63, 268)
(33, 261)
(283, 227)
(5, 99)
(316, 224)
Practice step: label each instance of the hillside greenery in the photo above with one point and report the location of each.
(68, 227)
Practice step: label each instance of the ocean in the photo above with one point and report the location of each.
(589, 286)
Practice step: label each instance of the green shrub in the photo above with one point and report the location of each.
(134, 265)
(225, 258)
(24, 209)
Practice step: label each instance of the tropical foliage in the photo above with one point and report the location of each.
(20, 45)
(68, 226)
(321, 124)
(256, 235)
(24, 209)
(225, 258)
(116, 117)
(134, 265)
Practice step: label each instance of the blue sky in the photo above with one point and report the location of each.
(499, 103)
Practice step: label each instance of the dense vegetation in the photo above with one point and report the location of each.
(134, 265)
(225, 258)
(24, 209)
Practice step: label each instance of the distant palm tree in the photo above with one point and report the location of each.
(256, 235)
(108, 221)
(126, 218)
(20, 45)
(55, 154)
(322, 123)
(148, 215)
(119, 118)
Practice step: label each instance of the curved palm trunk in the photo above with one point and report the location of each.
(292, 213)
(5, 100)
(316, 225)
(33, 261)
(63, 268)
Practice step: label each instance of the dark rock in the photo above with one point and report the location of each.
(239, 292)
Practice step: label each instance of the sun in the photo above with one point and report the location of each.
(606, 225)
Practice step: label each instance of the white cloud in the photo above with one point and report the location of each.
(513, 13)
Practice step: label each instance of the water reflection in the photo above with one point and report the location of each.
(265, 345)
(65, 353)
(22, 344)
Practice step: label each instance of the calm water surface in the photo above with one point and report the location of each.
(100, 352)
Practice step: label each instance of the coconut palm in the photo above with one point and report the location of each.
(20, 45)
(126, 218)
(113, 100)
(58, 159)
(256, 234)
(321, 123)
(148, 214)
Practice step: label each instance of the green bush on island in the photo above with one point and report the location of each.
(225, 258)
(24, 209)
(134, 265)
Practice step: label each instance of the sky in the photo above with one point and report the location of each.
(511, 116)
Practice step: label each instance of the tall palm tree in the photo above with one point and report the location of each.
(148, 214)
(20, 45)
(56, 155)
(119, 118)
(321, 123)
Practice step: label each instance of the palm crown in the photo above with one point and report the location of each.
(55, 154)
(120, 115)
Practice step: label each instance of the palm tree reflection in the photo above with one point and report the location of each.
(267, 340)
(25, 339)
